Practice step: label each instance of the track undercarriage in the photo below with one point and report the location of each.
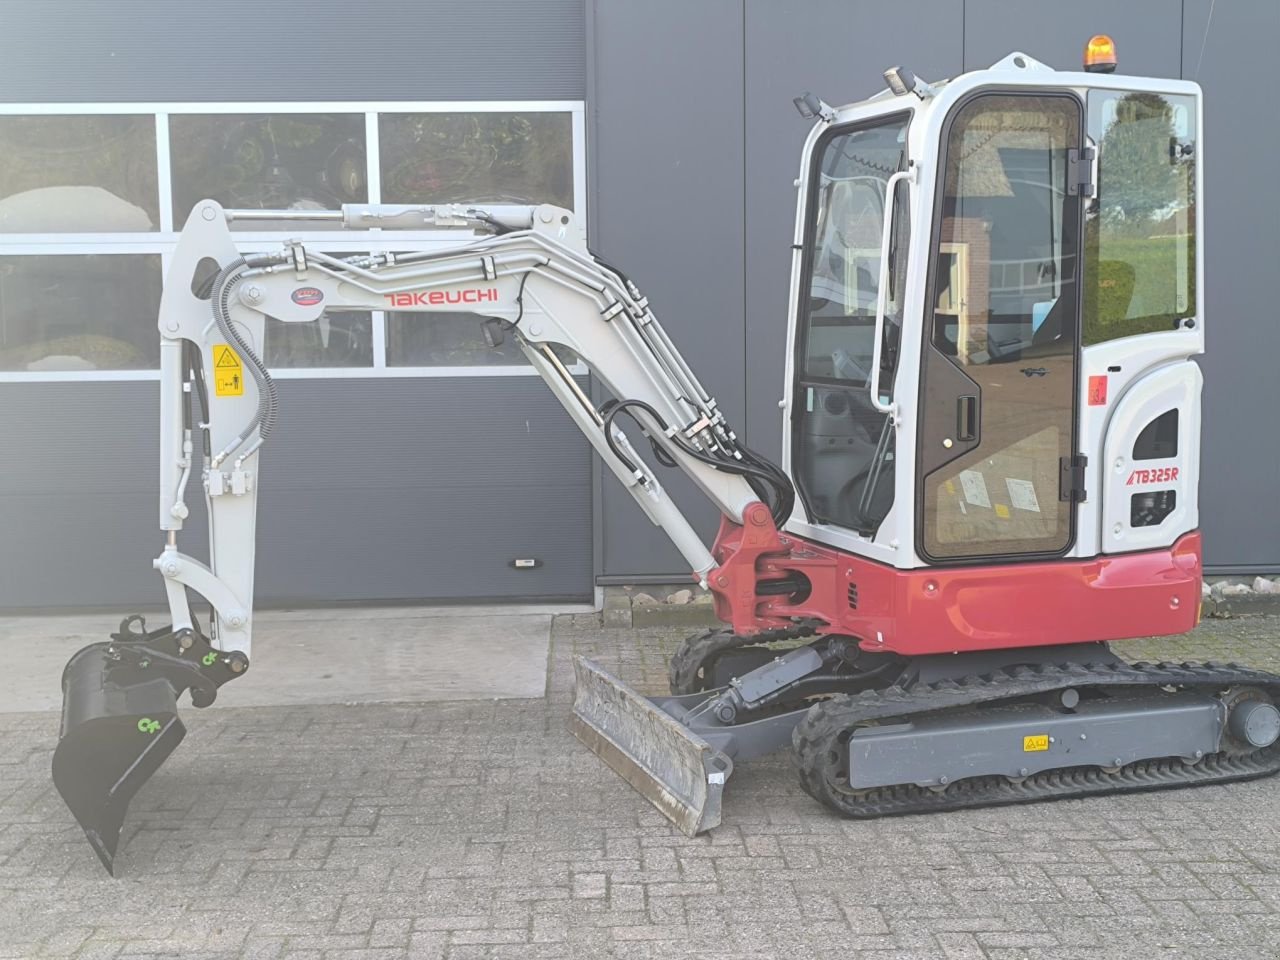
(877, 735)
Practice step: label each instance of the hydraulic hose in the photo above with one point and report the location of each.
(264, 417)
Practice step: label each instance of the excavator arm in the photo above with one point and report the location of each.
(525, 272)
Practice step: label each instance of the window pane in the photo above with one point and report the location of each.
(445, 340)
(453, 340)
(477, 157)
(1140, 243)
(79, 312)
(340, 338)
(268, 162)
(1001, 369)
(94, 174)
(844, 286)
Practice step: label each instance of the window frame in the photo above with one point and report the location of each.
(164, 240)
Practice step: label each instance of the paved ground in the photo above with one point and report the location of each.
(334, 655)
(482, 829)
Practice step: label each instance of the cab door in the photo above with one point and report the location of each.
(997, 435)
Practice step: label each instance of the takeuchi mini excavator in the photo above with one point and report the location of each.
(988, 473)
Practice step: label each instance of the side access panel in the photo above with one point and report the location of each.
(1151, 461)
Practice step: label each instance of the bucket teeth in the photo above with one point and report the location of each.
(678, 771)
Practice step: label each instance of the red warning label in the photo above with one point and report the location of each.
(1097, 391)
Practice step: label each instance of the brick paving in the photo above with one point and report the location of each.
(484, 830)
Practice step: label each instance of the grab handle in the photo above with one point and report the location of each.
(882, 293)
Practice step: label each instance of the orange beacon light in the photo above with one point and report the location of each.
(1100, 54)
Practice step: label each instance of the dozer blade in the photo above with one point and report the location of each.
(678, 771)
(115, 735)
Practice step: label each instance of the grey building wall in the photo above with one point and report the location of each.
(1241, 468)
(211, 50)
(691, 103)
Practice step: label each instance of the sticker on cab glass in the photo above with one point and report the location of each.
(228, 372)
(307, 296)
(1035, 743)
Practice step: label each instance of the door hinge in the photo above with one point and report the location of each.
(1071, 478)
(1080, 172)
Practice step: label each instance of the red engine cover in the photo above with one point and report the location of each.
(951, 609)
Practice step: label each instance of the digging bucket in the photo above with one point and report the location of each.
(117, 730)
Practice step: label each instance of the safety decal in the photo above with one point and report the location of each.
(147, 725)
(1035, 743)
(228, 373)
(1002, 511)
(1097, 391)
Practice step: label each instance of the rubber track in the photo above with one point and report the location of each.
(818, 735)
(701, 649)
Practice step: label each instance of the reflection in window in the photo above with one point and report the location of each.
(844, 285)
(339, 338)
(1002, 329)
(78, 173)
(475, 157)
(79, 312)
(453, 340)
(1140, 239)
(445, 340)
(305, 161)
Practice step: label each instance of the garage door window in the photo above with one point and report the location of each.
(92, 199)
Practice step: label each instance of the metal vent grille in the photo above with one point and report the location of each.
(853, 596)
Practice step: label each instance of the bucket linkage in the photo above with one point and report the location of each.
(120, 718)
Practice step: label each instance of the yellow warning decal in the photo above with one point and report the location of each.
(1035, 743)
(228, 374)
(1002, 511)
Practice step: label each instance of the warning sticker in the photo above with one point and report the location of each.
(1022, 494)
(228, 374)
(1002, 511)
(975, 488)
(1035, 743)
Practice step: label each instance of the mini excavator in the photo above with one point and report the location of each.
(989, 468)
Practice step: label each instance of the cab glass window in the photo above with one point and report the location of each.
(1140, 229)
(843, 446)
(844, 280)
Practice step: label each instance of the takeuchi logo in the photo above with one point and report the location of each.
(307, 296)
(426, 298)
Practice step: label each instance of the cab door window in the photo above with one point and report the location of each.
(999, 369)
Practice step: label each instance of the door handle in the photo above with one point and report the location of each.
(967, 418)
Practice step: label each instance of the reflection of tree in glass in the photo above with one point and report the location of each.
(471, 157)
(1141, 174)
(269, 162)
(1139, 241)
(116, 154)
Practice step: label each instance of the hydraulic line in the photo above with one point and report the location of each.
(746, 464)
(268, 396)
